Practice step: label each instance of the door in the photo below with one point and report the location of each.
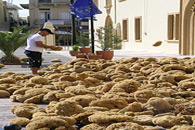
(187, 39)
(47, 16)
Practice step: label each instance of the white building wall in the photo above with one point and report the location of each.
(154, 15)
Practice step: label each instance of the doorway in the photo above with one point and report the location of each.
(47, 16)
(187, 40)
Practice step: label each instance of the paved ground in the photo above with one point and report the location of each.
(47, 55)
(64, 57)
(5, 104)
(5, 113)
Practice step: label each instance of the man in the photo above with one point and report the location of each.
(34, 49)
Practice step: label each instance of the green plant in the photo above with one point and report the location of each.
(83, 39)
(75, 48)
(81, 54)
(108, 39)
(91, 54)
(10, 42)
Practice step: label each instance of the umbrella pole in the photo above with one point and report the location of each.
(92, 35)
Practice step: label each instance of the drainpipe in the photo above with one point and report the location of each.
(145, 17)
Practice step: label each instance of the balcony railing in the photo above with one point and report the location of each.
(53, 1)
(55, 22)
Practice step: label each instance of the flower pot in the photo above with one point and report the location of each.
(81, 56)
(85, 50)
(73, 53)
(94, 57)
(107, 55)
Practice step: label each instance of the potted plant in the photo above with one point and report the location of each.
(74, 50)
(108, 41)
(84, 41)
(10, 42)
(94, 56)
(81, 55)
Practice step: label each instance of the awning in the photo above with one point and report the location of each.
(25, 6)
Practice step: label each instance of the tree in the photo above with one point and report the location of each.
(83, 39)
(107, 38)
(10, 42)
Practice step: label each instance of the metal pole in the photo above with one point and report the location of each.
(92, 36)
(73, 27)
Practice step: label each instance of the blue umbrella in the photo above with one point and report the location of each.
(83, 9)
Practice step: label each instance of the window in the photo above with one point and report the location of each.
(125, 29)
(118, 30)
(173, 27)
(44, 1)
(177, 27)
(118, 34)
(44, 9)
(138, 29)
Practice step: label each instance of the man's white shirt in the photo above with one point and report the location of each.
(31, 43)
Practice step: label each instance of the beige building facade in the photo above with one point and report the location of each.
(4, 25)
(55, 11)
(1, 13)
(142, 23)
(9, 16)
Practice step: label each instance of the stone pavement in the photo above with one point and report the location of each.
(6, 104)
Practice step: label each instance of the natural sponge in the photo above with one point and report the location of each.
(93, 126)
(158, 105)
(39, 80)
(56, 60)
(114, 103)
(82, 100)
(4, 94)
(125, 126)
(133, 107)
(26, 110)
(68, 108)
(106, 117)
(143, 95)
(128, 86)
(1, 66)
(7, 81)
(20, 121)
(58, 48)
(166, 121)
(49, 123)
